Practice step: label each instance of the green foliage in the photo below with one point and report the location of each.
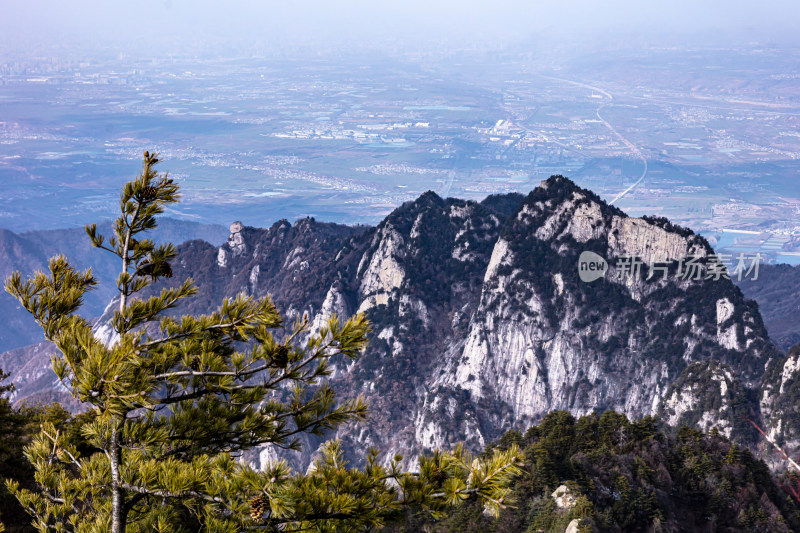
(12, 462)
(173, 402)
(628, 476)
(10, 422)
(18, 425)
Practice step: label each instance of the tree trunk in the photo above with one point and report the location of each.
(123, 299)
(118, 510)
(117, 500)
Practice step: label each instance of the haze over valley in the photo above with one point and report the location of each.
(705, 133)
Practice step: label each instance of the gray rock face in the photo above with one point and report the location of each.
(235, 245)
(236, 240)
(564, 498)
(539, 339)
(381, 272)
(481, 323)
(779, 402)
(709, 395)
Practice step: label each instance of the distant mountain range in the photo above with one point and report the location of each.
(30, 251)
(483, 323)
(777, 291)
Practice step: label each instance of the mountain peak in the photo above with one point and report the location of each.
(404, 216)
(483, 323)
(557, 180)
(429, 198)
(558, 188)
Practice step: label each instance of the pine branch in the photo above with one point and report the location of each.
(186, 334)
(55, 445)
(201, 373)
(460, 491)
(168, 494)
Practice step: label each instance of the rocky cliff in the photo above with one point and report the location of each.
(482, 322)
(540, 339)
(777, 291)
(779, 401)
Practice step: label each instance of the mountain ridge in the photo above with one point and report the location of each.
(481, 323)
(30, 250)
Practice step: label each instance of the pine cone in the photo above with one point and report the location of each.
(258, 506)
(281, 357)
(155, 270)
(195, 363)
(439, 477)
(166, 270)
(148, 194)
(61, 455)
(145, 269)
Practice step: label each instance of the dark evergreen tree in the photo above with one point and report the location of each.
(12, 464)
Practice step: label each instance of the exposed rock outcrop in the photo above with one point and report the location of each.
(708, 395)
(780, 400)
(482, 324)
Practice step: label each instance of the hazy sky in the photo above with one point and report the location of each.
(122, 23)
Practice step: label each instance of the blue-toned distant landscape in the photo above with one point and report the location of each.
(346, 140)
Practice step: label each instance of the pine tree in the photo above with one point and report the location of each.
(173, 402)
(11, 426)
(12, 433)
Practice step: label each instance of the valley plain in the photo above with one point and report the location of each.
(679, 133)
